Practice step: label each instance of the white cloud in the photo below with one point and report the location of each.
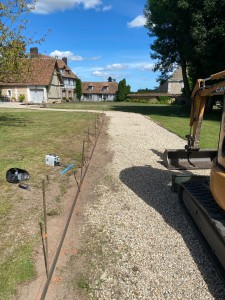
(100, 74)
(107, 8)
(68, 54)
(93, 58)
(49, 6)
(115, 70)
(116, 67)
(147, 67)
(139, 21)
(141, 66)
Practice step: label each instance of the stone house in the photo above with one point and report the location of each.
(174, 84)
(69, 80)
(99, 91)
(43, 79)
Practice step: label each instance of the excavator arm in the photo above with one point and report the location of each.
(198, 101)
(192, 156)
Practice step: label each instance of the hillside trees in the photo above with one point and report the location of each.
(189, 33)
(13, 36)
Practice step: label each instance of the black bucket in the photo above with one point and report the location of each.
(179, 159)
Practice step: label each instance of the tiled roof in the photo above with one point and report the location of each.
(67, 71)
(177, 75)
(37, 71)
(98, 87)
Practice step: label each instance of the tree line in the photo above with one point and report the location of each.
(189, 33)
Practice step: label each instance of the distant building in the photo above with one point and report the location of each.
(69, 80)
(43, 79)
(99, 91)
(174, 84)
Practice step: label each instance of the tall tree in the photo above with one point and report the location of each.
(187, 32)
(78, 89)
(167, 21)
(13, 36)
(208, 35)
(123, 90)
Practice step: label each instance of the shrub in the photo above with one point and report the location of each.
(21, 97)
(164, 99)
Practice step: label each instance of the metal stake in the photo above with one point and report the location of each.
(45, 226)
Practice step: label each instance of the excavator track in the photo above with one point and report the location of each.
(209, 218)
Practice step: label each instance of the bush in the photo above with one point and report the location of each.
(164, 99)
(21, 97)
(150, 101)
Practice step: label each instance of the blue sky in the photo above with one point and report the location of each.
(100, 38)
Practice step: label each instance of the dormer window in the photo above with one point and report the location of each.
(105, 88)
(90, 88)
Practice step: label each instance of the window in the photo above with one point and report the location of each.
(9, 93)
(105, 88)
(90, 88)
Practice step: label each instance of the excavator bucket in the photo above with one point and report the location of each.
(177, 159)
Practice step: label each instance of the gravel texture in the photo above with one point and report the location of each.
(147, 248)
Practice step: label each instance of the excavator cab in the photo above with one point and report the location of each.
(217, 176)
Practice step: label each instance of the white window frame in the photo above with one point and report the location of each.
(9, 93)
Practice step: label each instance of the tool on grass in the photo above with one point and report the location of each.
(17, 175)
(66, 169)
(54, 160)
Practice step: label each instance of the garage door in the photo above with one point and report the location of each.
(37, 95)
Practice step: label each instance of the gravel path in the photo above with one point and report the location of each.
(148, 249)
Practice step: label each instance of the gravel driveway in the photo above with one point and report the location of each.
(149, 251)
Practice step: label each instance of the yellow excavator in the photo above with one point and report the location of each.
(204, 200)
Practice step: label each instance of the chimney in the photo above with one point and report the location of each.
(65, 60)
(34, 52)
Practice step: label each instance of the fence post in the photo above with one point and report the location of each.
(45, 226)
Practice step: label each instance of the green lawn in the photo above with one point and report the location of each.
(25, 138)
(173, 117)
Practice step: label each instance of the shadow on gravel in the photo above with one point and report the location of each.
(153, 186)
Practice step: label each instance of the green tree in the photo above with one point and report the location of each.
(13, 37)
(208, 34)
(189, 33)
(123, 90)
(168, 21)
(78, 89)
